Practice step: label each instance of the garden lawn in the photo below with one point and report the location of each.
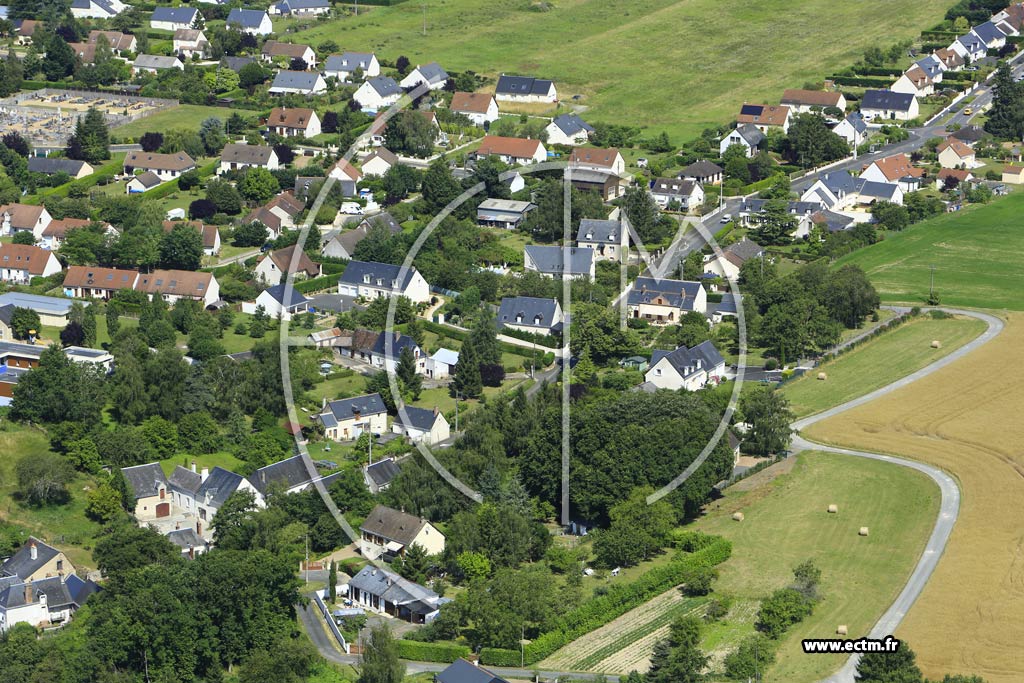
(210, 460)
(187, 116)
(975, 252)
(786, 523)
(880, 361)
(669, 65)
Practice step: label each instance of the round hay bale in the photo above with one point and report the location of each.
(863, 531)
(738, 516)
(841, 630)
(822, 376)
(833, 509)
(936, 344)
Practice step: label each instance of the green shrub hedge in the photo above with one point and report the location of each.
(431, 652)
(317, 283)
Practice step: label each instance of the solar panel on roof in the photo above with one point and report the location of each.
(751, 110)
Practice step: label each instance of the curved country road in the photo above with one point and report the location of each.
(948, 508)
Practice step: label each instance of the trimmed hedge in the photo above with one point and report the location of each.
(540, 339)
(863, 81)
(316, 284)
(431, 652)
(461, 335)
(619, 599)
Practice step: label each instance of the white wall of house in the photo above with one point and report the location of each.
(368, 98)
(353, 427)
(664, 376)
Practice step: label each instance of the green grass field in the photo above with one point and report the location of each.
(880, 361)
(672, 65)
(187, 116)
(976, 255)
(786, 523)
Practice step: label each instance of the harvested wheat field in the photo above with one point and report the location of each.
(965, 419)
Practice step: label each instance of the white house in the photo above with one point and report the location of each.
(607, 238)
(155, 63)
(969, 46)
(251, 21)
(44, 603)
(392, 532)
(803, 101)
(344, 66)
(235, 157)
(19, 263)
(954, 153)
(298, 83)
(525, 89)
(346, 419)
(278, 302)
(887, 104)
(512, 151)
(733, 256)
(370, 280)
(895, 168)
(96, 9)
(558, 262)
(300, 8)
(377, 589)
(189, 42)
(377, 93)
(568, 129)
(853, 129)
(915, 82)
(15, 218)
(165, 166)
(293, 122)
(144, 182)
(665, 301)
(764, 117)
(478, 107)
(687, 193)
(173, 285)
(173, 18)
(441, 364)
(745, 135)
(421, 425)
(603, 159)
(378, 162)
(684, 368)
(530, 314)
(272, 267)
(431, 74)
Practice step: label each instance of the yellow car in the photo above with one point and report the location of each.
(968, 111)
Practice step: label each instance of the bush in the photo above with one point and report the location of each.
(780, 610)
(431, 652)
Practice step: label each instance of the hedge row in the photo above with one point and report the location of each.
(460, 335)
(619, 599)
(863, 81)
(431, 652)
(316, 284)
(540, 339)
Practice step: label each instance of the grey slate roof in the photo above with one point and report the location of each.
(80, 589)
(968, 134)
(886, 99)
(295, 80)
(745, 249)
(535, 312)
(183, 479)
(550, 259)
(675, 187)
(148, 179)
(462, 671)
(50, 165)
(348, 62)
(839, 182)
(400, 342)
(756, 205)
(385, 85)
(155, 62)
(421, 419)
(701, 169)
(356, 270)
(177, 15)
(384, 219)
(287, 474)
(21, 564)
(599, 231)
(368, 404)
(246, 18)
(678, 293)
(383, 471)
(522, 85)
(394, 525)
(236, 63)
(870, 188)
(186, 538)
(989, 32)
(931, 65)
(393, 588)
(685, 361)
(572, 124)
(144, 480)
(281, 295)
(246, 154)
(218, 486)
(833, 222)
(750, 133)
(857, 121)
(53, 588)
(433, 73)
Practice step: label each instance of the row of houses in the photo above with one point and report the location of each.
(39, 586)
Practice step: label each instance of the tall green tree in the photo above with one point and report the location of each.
(380, 661)
(467, 382)
(678, 659)
(411, 381)
(439, 185)
(410, 133)
(59, 390)
(1006, 117)
(769, 416)
(889, 667)
(91, 140)
(60, 59)
(181, 248)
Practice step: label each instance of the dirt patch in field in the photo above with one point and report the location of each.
(965, 420)
(765, 476)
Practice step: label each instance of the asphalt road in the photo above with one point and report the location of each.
(950, 504)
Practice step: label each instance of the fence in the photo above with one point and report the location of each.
(330, 623)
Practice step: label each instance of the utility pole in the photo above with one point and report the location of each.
(931, 285)
(307, 558)
(424, 6)
(457, 395)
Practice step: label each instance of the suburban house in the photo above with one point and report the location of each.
(371, 347)
(191, 543)
(278, 301)
(236, 156)
(684, 368)
(607, 238)
(342, 244)
(149, 487)
(371, 280)
(278, 214)
(236, 64)
(96, 9)
(165, 166)
(27, 31)
(86, 52)
(381, 590)
(803, 101)
(347, 176)
(15, 218)
(431, 74)
(830, 221)
(378, 475)
(853, 129)
(119, 42)
(512, 151)
(180, 284)
(606, 160)
(251, 21)
(952, 176)
(42, 604)
(1013, 175)
(421, 425)
(480, 108)
(559, 262)
(143, 182)
(503, 213)
(887, 104)
(704, 172)
(664, 302)
(56, 232)
(19, 263)
(53, 311)
(290, 475)
(932, 66)
(525, 89)
(993, 34)
(273, 49)
(173, 18)
(300, 8)
(94, 282)
(605, 184)
(530, 314)
(388, 532)
(969, 134)
(745, 135)
(687, 194)
(951, 59)
(210, 234)
(378, 128)
(378, 162)
(764, 116)
(377, 93)
(751, 213)
(36, 560)
(568, 129)
(346, 419)
(733, 256)
(298, 83)
(441, 364)
(344, 66)
(189, 42)
(217, 487)
(462, 671)
(295, 122)
(273, 267)
(53, 165)
(896, 168)
(915, 82)
(969, 46)
(955, 154)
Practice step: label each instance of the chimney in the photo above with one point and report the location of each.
(28, 592)
(32, 551)
(323, 403)
(204, 474)
(193, 466)
(199, 528)
(263, 478)
(435, 411)
(177, 525)
(191, 552)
